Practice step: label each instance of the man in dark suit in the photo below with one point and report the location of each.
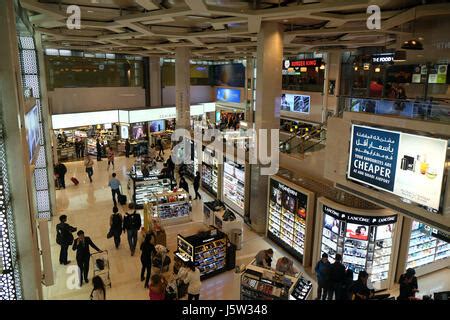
(64, 238)
(81, 245)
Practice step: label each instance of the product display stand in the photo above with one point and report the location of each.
(171, 207)
(208, 251)
(208, 211)
(265, 284)
(224, 225)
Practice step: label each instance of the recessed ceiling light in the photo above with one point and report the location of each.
(90, 11)
(285, 20)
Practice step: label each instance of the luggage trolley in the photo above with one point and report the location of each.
(100, 263)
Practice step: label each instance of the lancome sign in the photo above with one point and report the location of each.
(409, 166)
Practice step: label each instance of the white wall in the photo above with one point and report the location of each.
(198, 94)
(71, 100)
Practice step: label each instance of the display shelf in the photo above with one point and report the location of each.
(209, 251)
(422, 256)
(422, 242)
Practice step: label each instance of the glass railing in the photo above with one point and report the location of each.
(302, 142)
(405, 108)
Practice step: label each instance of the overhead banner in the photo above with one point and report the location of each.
(409, 166)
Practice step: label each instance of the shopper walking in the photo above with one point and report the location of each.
(115, 185)
(116, 226)
(99, 290)
(323, 272)
(99, 150)
(147, 251)
(183, 184)
(193, 279)
(160, 146)
(337, 279)
(131, 224)
(64, 238)
(82, 147)
(171, 167)
(81, 246)
(197, 186)
(127, 148)
(61, 170)
(111, 157)
(77, 148)
(157, 289)
(408, 285)
(89, 163)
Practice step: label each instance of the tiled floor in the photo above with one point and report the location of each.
(88, 207)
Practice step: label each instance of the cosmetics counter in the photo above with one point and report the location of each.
(427, 250)
(265, 284)
(171, 206)
(290, 218)
(235, 188)
(367, 240)
(210, 172)
(208, 211)
(208, 250)
(140, 186)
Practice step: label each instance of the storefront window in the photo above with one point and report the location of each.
(65, 72)
(426, 245)
(302, 75)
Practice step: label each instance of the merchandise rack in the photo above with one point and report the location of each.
(265, 284)
(207, 250)
(170, 207)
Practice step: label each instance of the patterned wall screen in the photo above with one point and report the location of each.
(10, 288)
(30, 78)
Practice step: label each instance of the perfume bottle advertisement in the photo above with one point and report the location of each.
(409, 166)
(420, 169)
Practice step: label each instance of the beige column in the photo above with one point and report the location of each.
(182, 87)
(19, 174)
(267, 114)
(332, 73)
(155, 81)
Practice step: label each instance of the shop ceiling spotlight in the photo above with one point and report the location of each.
(377, 69)
(412, 44)
(322, 66)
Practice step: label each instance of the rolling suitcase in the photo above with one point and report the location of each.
(122, 199)
(75, 181)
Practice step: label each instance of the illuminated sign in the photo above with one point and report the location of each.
(381, 58)
(295, 67)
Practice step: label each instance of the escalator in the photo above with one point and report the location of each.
(303, 140)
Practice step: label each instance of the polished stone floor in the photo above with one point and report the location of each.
(88, 207)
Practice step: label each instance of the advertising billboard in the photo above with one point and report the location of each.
(33, 131)
(295, 103)
(228, 95)
(409, 166)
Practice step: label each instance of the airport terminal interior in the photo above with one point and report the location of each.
(224, 150)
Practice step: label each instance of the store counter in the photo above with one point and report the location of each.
(208, 211)
(259, 283)
(208, 250)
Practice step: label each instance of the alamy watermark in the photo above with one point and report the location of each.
(259, 147)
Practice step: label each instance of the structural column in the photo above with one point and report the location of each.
(16, 179)
(182, 87)
(331, 84)
(269, 61)
(155, 81)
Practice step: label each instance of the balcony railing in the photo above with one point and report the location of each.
(405, 108)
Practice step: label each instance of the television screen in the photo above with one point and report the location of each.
(295, 103)
(138, 132)
(33, 131)
(355, 231)
(157, 125)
